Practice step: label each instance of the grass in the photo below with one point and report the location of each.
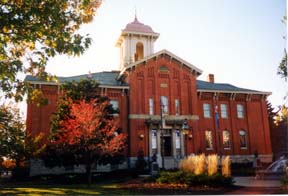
(78, 189)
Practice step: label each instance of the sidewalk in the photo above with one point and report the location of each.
(252, 182)
(251, 186)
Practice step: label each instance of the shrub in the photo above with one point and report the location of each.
(197, 164)
(212, 164)
(285, 179)
(200, 164)
(20, 172)
(194, 164)
(171, 177)
(226, 163)
(190, 179)
(188, 164)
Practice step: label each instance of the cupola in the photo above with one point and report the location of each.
(135, 42)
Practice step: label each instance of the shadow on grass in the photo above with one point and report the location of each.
(104, 189)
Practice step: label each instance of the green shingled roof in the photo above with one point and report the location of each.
(110, 79)
(103, 78)
(202, 85)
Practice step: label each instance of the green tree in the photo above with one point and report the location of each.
(282, 68)
(14, 143)
(32, 31)
(271, 115)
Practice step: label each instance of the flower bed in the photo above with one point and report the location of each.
(189, 179)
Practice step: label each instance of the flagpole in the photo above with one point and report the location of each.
(219, 132)
(161, 134)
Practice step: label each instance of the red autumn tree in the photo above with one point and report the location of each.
(90, 136)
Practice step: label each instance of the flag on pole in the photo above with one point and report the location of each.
(217, 117)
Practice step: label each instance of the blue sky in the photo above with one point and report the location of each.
(239, 41)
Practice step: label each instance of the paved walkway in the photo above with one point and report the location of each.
(252, 182)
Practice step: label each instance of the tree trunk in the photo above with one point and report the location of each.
(89, 173)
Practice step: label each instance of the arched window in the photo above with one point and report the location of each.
(164, 104)
(163, 68)
(243, 139)
(139, 51)
(209, 140)
(226, 139)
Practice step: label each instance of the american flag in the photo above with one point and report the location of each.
(217, 116)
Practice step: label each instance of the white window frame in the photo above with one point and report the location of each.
(240, 110)
(115, 104)
(177, 107)
(177, 140)
(153, 139)
(224, 110)
(207, 110)
(151, 106)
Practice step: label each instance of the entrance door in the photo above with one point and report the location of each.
(167, 145)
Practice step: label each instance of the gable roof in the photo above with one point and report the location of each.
(104, 78)
(203, 86)
(161, 52)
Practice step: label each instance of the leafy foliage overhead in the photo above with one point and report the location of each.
(282, 68)
(32, 31)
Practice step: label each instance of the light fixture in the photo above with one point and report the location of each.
(185, 127)
(141, 136)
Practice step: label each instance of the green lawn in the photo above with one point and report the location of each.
(78, 189)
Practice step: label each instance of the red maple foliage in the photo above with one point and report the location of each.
(92, 121)
(91, 130)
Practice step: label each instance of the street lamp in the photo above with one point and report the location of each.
(185, 131)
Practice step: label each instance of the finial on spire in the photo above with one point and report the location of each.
(136, 19)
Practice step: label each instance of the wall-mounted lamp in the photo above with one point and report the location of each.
(185, 127)
(190, 136)
(141, 136)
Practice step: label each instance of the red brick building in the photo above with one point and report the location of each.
(158, 93)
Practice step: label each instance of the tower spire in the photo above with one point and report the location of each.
(136, 19)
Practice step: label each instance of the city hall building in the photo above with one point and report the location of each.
(165, 109)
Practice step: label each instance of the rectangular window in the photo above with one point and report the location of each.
(208, 140)
(224, 113)
(240, 111)
(243, 139)
(114, 104)
(207, 110)
(154, 139)
(164, 104)
(226, 139)
(177, 107)
(151, 106)
(177, 139)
